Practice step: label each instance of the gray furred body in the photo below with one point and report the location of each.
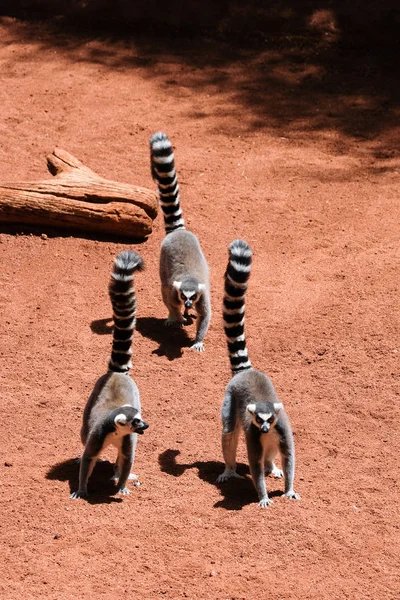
(181, 254)
(111, 391)
(182, 260)
(251, 388)
(183, 267)
(250, 403)
(112, 415)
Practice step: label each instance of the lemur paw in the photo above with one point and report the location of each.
(123, 491)
(228, 474)
(135, 479)
(272, 469)
(197, 346)
(79, 494)
(277, 473)
(131, 477)
(189, 318)
(264, 502)
(292, 495)
(173, 323)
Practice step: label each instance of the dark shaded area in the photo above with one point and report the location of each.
(102, 326)
(54, 232)
(297, 67)
(171, 340)
(101, 489)
(237, 492)
(249, 20)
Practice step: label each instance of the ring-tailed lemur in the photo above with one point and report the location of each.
(112, 414)
(183, 267)
(250, 400)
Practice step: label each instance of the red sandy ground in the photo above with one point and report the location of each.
(307, 172)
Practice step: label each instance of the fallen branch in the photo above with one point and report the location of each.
(77, 199)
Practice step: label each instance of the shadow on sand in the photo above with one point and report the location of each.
(298, 68)
(101, 488)
(171, 340)
(237, 493)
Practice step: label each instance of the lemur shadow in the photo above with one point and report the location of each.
(101, 488)
(102, 326)
(171, 340)
(237, 493)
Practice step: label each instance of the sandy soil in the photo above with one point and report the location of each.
(294, 148)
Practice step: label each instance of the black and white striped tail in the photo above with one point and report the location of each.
(236, 277)
(123, 300)
(164, 173)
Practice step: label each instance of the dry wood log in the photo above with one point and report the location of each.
(78, 200)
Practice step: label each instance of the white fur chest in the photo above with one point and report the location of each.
(270, 445)
(113, 439)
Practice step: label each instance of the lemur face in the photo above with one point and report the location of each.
(264, 416)
(139, 426)
(128, 424)
(188, 296)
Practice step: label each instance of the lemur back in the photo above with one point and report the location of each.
(183, 267)
(250, 401)
(112, 413)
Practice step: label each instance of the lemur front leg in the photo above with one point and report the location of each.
(257, 470)
(258, 477)
(171, 301)
(203, 309)
(175, 317)
(288, 460)
(125, 462)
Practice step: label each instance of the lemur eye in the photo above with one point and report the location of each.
(271, 419)
(259, 419)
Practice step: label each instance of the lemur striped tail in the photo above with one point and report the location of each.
(236, 278)
(123, 300)
(164, 173)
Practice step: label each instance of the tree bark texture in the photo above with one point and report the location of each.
(76, 199)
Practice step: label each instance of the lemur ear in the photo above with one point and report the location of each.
(120, 419)
(177, 285)
(278, 406)
(251, 408)
(202, 287)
